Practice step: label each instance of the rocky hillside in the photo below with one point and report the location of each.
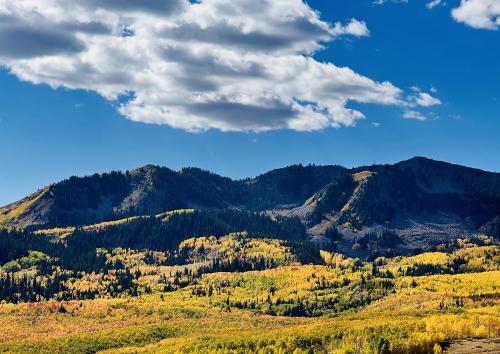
(418, 199)
(152, 190)
(421, 200)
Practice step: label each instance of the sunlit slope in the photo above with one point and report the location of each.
(410, 320)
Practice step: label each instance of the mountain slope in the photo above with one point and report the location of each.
(152, 190)
(420, 199)
(146, 190)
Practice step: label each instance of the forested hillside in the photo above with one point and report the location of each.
(145, 285)
(305, 259)
(421, 200)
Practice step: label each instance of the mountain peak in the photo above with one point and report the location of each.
(419, 160)
(146, 168)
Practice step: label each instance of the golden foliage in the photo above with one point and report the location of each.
(13, 211)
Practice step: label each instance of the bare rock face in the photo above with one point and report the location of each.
(492, 228)
(422, 201)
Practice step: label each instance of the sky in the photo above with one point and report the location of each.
(240, 87)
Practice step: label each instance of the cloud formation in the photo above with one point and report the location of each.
(481, 14)
(414, 115)
(434, 3)
(425, 100)
(231, 65)
(422, 99)
(382, 2)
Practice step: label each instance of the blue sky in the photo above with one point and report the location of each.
(47, 134)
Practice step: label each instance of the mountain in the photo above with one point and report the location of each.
(421, 201)
(152, 190)
(146, 190)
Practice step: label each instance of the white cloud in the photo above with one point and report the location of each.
(422, 99)
(354, 28)
(214, 64)
(382, 2)
(481, 14)
(414, 115)
(429, 5)
(434, 3)
(425, 100)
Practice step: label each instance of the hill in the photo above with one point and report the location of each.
(422, 201)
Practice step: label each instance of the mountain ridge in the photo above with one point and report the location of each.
(418, 194)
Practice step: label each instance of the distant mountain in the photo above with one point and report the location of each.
(152, 189)
(421, 200)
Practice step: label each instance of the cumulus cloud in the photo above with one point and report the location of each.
(425, 100)
(231, 65)
(481, 14)
(354, 28)
(414, 115)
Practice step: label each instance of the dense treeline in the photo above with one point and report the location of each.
(18, 244)
(83, 253)
(80, 201)
(189, 186)
(421, 269)
(87, 200)
(55, 264)
(289, 185)
(239, 265)
(24, 288)
(115, 261)
(91, 199)
(78, 249)
(154, 234)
